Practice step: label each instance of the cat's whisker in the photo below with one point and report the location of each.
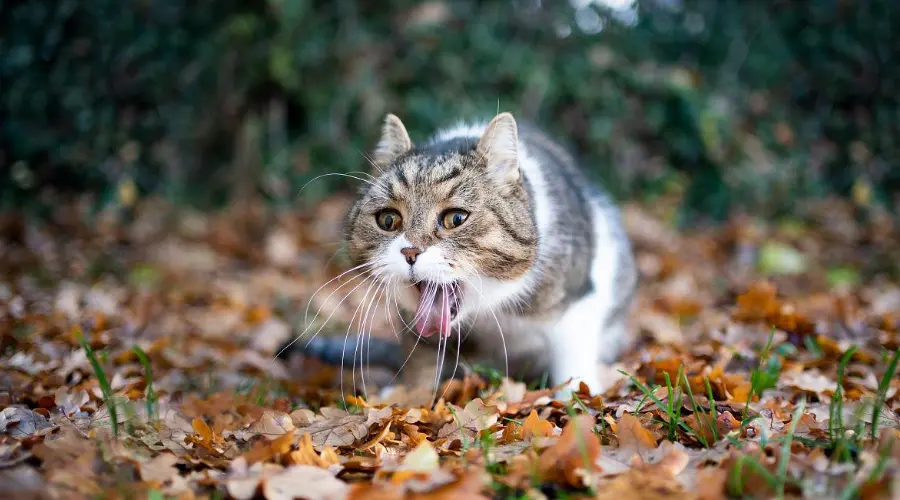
(442, 354)
(458, 349)
(408, 328)
(339, 276)
(307, 327)
(337, 306)
(367, 174)
(366, 333)
(387, 303)
(347, 337)
(371, 162)
(339, 174)
(499, 328)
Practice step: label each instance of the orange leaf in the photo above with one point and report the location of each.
(535, 427)
(258, 314)
(573, 456)
(758, 303)
(267, 450)
(203, 431)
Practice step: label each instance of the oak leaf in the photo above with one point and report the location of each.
(469, 421)
(306, 482)
(339, 428)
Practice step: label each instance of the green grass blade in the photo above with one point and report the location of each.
(105, 388)
(697, 413)
(712, 408)
(785, 457)
(148, 376)
(883, 386)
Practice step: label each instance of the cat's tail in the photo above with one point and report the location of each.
(338, 349)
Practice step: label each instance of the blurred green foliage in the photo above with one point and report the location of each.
(732, 104)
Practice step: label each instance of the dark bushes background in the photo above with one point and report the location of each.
(728, 104)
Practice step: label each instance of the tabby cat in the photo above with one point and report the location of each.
(499, 250)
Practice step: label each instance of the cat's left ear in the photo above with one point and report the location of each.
(394, 141)
(499, 146)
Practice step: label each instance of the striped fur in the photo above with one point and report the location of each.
(545, 268)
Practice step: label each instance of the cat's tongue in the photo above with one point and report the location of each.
(433, 313)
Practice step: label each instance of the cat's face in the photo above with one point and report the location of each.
(435, 227)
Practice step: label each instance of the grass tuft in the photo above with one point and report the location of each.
(671, 408)
(101, 379)
(152, 407)
(765, 376)
(883, 386)
(785, 457)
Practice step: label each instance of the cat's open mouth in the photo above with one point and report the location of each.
(438, 306)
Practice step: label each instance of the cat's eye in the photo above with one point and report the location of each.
(453, 218)
(388, 220)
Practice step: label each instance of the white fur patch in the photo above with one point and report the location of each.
(579, 342)
(431, 264)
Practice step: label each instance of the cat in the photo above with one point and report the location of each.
(498, 249)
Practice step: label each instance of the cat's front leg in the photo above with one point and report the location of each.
(581, 340)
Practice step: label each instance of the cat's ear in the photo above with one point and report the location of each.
(394, 141)
(499, 147)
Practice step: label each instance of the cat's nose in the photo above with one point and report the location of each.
(410, 253)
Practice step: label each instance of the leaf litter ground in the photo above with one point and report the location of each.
(138, 362)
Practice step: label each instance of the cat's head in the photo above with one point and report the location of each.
(443, 227)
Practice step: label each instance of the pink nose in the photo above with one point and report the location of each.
(410, 253)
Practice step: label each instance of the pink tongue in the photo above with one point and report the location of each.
(433, 313)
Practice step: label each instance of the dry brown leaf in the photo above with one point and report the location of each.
(160, 469)
(640, 485)
(22, 422)
(267, 449)
(704, 424)
(711, 483)
(464, 485)
(468, 421)
(632, 434)
(573, 457)
(673, 461)
(306, 482)
(338, 428)
(270, 424)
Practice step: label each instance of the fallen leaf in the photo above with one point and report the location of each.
(341, 429)
(533, 426)
(573, 457)
(306, 482)
(632, 434)
(21, 422)
(673, 461)
(160, 469)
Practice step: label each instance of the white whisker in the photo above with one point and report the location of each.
(306, 329)
(339, 174)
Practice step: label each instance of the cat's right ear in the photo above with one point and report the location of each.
(394, 141)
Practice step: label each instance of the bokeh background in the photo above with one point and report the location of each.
(722, 106)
